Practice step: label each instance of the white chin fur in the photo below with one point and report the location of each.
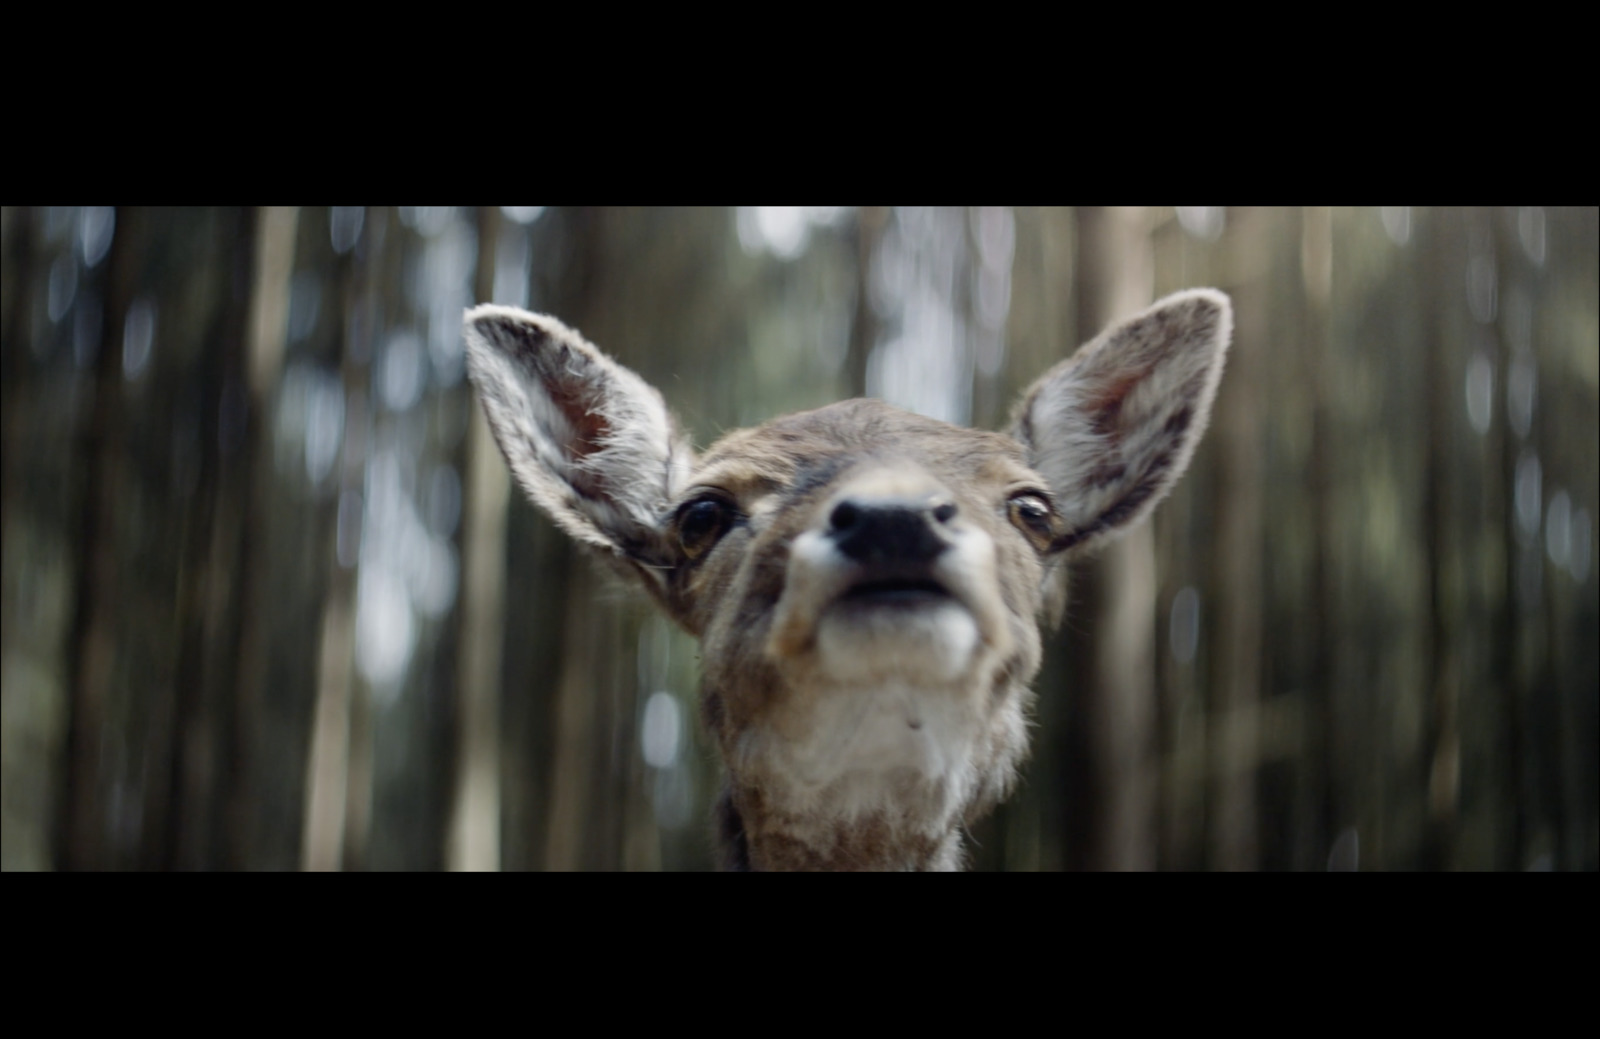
(927, 644)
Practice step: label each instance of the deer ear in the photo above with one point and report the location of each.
(1112, 427)
(589, 441)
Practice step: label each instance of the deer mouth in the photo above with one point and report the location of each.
(898, 626)
(895, 589)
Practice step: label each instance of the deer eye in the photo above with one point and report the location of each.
(702, 522)
(1032, 513)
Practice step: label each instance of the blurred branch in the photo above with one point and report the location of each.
(92, 642)
(269, 306)
(474, 833)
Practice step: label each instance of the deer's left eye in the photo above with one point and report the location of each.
(702, 522)
(1032, 513)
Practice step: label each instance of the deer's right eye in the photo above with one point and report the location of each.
(1031, 512)
(701, 523)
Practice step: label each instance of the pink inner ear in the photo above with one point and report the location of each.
(589, 427)
(1104, 411)
(1105, 407)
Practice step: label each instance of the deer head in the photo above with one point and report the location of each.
(867, 584)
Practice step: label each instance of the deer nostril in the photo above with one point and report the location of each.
(889, 532)
(944, 512)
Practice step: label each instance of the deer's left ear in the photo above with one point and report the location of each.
(590, 442)
(1112, 427)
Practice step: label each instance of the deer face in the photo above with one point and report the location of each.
(868, 584)
(868, 615)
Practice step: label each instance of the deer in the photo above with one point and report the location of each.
(869, 586)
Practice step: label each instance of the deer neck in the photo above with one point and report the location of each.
(779, 842)
(860, 778)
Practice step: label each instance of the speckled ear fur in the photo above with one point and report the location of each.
(590, 442)
(1113, 426)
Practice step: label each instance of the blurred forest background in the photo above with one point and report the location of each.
(271, 602)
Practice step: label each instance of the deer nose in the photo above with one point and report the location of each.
(890, 531)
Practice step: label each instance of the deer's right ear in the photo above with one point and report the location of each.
(589, 441)
(1113, 427)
